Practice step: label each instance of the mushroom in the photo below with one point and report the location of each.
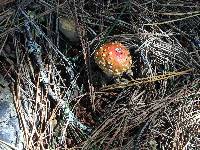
(68, 28)
(113, 58)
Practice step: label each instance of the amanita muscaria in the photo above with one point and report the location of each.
(113, 58)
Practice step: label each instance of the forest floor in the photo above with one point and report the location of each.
(59, 96)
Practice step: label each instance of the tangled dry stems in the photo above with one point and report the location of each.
(156, 109)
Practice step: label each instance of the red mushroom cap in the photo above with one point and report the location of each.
(113, 58)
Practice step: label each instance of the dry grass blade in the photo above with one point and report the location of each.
(8, 145)
(151, 79)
